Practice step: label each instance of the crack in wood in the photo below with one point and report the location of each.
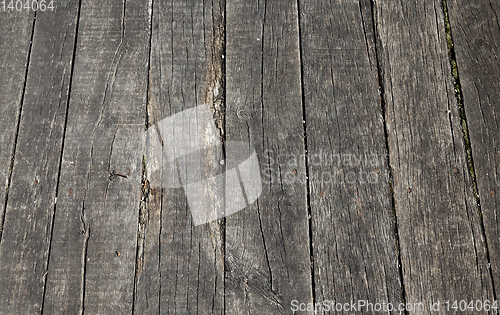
(455, 73)
(18, 122)
(84, 268)
(380, 76)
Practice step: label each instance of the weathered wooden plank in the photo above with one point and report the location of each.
(476, 35)
(182, 269)
(27, 231)
(355, 255)
(267, 243)
(15, 43)
(442, 249)
(93, 255)
(267, 248)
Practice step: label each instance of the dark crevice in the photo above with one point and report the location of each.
(148, 96)
(262, 125)
(304, 119)
(217, 95)
(198, 280)
(465, 129)
(265, 249)
(222, 53)
(262, 79)
(18, 123)
(386, 137)
(145, 188)
(217, 89)
(459, 98)
(84, 230)
(365, 27)
(62, 148)
(159, 250)
(223, 105)
(141, 230)
(84, 269)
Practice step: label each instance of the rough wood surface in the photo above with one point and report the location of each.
(15, 47)
(267, 244)
(366, 190)
(476, 36)
(26, 237)
(442, 249)
(354, 241)
(93, 254)
(182, 270)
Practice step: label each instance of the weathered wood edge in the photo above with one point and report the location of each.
(475, 38)
(92, 263)
(436, 210)
(354, 241)
(267, 244)
(15, 47)
(26, 239)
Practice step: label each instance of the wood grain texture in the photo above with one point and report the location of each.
(27, 231)
(350, 106)
(442, 248)
(354, 242)
(93, 255)
(182, 270)
(476, 35)
(15, 49)
(267, 244)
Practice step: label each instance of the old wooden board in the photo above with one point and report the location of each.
(357, 153)
(93, 252)
(442, 249)
(27, 230)
(353, 232)
(267, 257)
(476, 35)
(181, 266)
(15, 48)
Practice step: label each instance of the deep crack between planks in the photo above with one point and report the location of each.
(465, 130)
(18, 123)
(380, 75)
(304, 119)
(62, 150)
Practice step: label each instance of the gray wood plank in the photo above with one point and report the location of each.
(93, 255)
(27, 231)
(15, 43)
(442, 249)
(354, 241)
(182, 269)
(267, 244)
(476, 35)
